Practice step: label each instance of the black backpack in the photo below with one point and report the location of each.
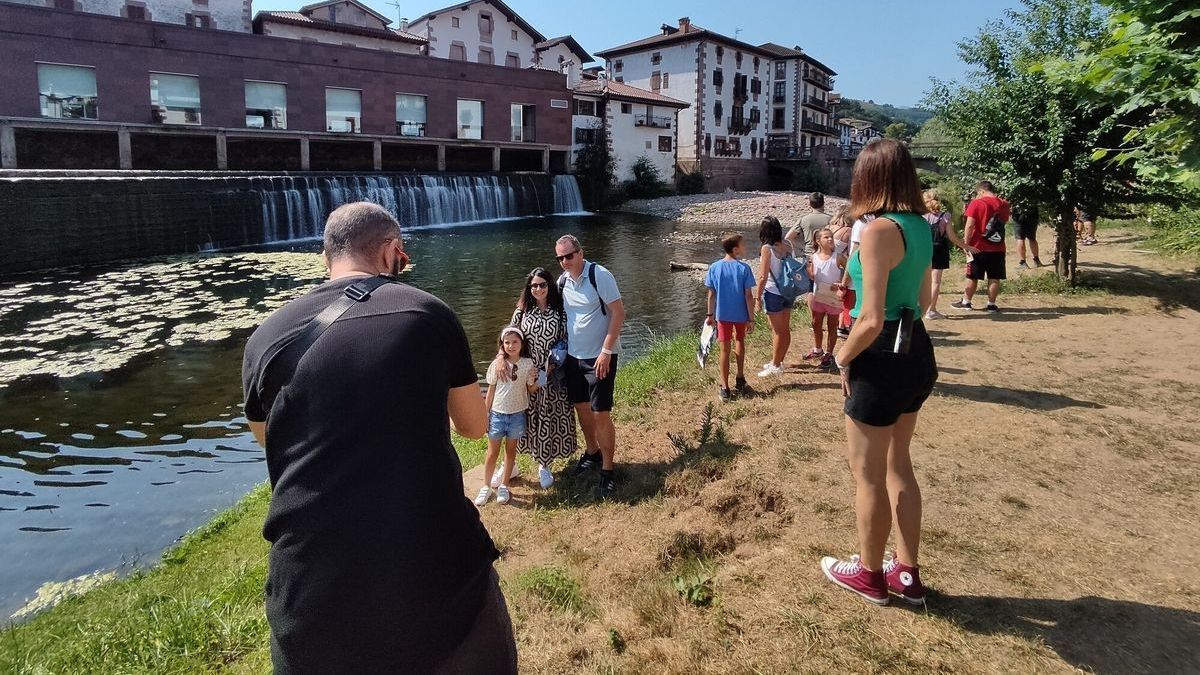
(562, 283)
(994, 232)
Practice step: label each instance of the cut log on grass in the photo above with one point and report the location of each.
(688, 267)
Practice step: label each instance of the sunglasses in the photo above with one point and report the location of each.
(539, 285)
(514, 373)
(567, 256)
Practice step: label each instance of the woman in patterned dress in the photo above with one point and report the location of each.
(550, 433)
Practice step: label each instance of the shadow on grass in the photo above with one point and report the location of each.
(1170, 290)
(1021, 398)
(1038, 313)
(1091, 633)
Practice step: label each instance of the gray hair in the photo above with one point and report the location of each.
(569, 239)
(356, 229)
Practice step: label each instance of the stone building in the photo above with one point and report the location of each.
(637, 123)
(219, 14)
(339, 22)
(801, 103)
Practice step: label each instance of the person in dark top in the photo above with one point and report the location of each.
(1025, 218)
(378, 562)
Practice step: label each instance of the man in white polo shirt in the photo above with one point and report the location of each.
(595, 314)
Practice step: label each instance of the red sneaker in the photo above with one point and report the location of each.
(852, 576)
(904, 581)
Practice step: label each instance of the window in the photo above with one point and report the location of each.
(512, 60)
(585, 136)
(718, 111)
(67, 92)
(718, 78)
(197, 20)
(666, 80)
(410, 115)
(755, 86)
(619, 79)
(458, 51)
(485, 26)
(266, 105)
(780, 92)
(664, 143)
(617, 65)
(135, 12)
(522, 123)
(720, 53)
(655, 81)
(175, 99)
(656, 58)
(755, 115)
(756, 65)
(333, 13)
(343, 110)
(470, 119)
(737, 56)
(583, 107)
(485, 56)
(626, 108)
(780, 70)
(68, 5)
(513, 33)
(454, 22)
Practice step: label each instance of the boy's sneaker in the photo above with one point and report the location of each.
(485, 493)
(740, 385)
(843, 331)
(607, 485)
(545, 478)
(993, 308)
(814, 353)
(934, 314)
(1022, 266)
(852, 576)
(503, 495)
(723, 393)
(904, 580)
(770, 369)
(961, 304)
(586, 463)
(498, 474)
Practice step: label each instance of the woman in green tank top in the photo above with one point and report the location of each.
(888, 370)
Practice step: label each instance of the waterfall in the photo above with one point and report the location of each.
(566, 195)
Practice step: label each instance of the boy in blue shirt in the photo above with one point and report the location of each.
(730, 285)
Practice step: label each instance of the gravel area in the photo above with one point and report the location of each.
(738, 209)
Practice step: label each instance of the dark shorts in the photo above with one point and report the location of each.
(774, 303)
(884, 385)
(941, 255)
(989, 264)
(584, 387)
(1026, 231)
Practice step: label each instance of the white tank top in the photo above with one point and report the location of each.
(826, 272)
(776, 267)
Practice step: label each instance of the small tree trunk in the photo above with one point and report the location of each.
(1064, 247)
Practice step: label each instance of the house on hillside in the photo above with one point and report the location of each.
(637, 123)
(489, 31)
(217, 14)
(339, 22)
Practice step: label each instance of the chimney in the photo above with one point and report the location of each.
(685, 24)
(404, 24)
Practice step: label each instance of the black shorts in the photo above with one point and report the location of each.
(989, 264)
(941, 255)
(1026, 231)
(584, 387)
(884, 385)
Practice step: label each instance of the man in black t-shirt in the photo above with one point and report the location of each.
(378, 561)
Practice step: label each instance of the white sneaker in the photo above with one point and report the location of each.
(502, 495)
(770, 369)
(545, 478)
(498, 474)
(485, 493)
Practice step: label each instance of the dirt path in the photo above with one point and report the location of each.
(1060, 471)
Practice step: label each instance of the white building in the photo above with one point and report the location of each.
(726, 82)
(489, 31)
(637, 123)
(801, 103)
(219, 14)
(339, 22)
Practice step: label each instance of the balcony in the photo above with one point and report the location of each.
(788, 152)
(817, 128)
(653, 121)
(741, 127)
(740, 95)
(817, 104)
(820, 79)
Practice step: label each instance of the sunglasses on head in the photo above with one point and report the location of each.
(566, 256)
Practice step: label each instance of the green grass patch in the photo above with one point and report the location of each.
(665, 366)
(1045, 283)
(554, 588)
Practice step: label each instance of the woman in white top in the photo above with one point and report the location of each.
(779, 309)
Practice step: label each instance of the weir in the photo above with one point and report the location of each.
(52, 219)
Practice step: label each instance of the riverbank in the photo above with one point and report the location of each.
(1060, 480)
(738, 209)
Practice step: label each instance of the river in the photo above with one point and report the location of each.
(120, 396)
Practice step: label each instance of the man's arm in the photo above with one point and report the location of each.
(968, 229)
(468, 416)
(616, 319)
(259, 429)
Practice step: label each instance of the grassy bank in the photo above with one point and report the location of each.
(201, 609)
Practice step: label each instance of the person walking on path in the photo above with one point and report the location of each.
(507, 401)
(1025, 220)
(1087, 227)
(595, 315)
(730, 284)
(378, 562)
(825, 269)
(802, 233)
(888, 370)
(779, 309)
(986, 216)
(942, 229)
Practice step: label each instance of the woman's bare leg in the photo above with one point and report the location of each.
(867, 453)
(903, 491)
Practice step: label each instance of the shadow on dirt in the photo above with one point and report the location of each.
(1021, 398)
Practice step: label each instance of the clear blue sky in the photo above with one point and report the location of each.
(882, 50)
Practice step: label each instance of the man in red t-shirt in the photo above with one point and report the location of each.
(985, 249)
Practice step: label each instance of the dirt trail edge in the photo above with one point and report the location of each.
(1060, 471)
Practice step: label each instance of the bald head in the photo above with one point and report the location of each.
(356, 230)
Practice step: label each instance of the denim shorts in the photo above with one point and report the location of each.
(506, 425)
(773, 303)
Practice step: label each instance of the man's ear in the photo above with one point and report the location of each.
(325, 258)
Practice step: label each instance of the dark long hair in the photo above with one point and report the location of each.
(885, 180)
(770, 232)
(553, 298)
(524, 343)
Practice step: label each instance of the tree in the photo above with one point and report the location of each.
(647, 181)
(595, 167)
(898, 130)
(1017, 127)
(1146, 64)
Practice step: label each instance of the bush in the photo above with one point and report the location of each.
(1177, 229)
(647, 182)
(691, 183)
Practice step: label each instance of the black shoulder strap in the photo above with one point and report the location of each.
(297, 347)
(592, 278)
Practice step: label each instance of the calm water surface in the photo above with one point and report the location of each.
(120, 397)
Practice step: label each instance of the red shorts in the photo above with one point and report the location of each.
(726, 330)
